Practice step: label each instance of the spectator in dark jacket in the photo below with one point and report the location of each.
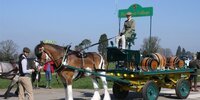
(193, 77)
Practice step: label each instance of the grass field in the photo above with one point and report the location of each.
(82, 83)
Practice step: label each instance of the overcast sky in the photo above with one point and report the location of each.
(27, 22)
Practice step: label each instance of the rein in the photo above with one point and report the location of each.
(97, 43)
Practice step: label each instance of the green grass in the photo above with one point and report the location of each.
(4, 83)
(83, 83)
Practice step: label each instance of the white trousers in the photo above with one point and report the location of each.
(123, 40)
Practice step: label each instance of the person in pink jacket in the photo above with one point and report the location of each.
(48, 69)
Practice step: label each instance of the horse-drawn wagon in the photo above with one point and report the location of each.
(127, 67)
(127, 72)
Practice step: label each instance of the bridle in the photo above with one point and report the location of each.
(49, 56)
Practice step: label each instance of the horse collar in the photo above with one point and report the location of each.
(64, 59)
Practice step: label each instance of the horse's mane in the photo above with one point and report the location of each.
(37, 53)
(59, 48)
(55, 46)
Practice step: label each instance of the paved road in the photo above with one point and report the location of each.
(86, 94)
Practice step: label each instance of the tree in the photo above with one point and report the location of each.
(166, 52)
(178, 52)
(151, 46)
(103, 44)
(8, 50)
(83, 45)
(183, 53)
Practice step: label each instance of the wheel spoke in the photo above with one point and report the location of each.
(182, 89)
(152, 93)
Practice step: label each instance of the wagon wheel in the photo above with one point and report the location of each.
(119, 92)
(150, 91)
(182, 88)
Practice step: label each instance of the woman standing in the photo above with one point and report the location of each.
(48, 69)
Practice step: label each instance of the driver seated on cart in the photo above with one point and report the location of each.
(128, 32)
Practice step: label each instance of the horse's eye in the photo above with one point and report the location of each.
(41, 50)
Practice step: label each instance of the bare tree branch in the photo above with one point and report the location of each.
(8, 50)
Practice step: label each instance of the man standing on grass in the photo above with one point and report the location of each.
(24, 77)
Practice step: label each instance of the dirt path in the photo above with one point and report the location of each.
(86, 94)
(54, 94)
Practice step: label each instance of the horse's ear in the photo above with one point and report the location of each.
(67, 47)
(41, 42)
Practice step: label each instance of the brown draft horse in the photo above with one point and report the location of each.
(91, 62)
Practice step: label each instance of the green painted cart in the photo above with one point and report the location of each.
(148, 83)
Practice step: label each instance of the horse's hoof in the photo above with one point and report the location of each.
(106, 98)
(95, 99)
